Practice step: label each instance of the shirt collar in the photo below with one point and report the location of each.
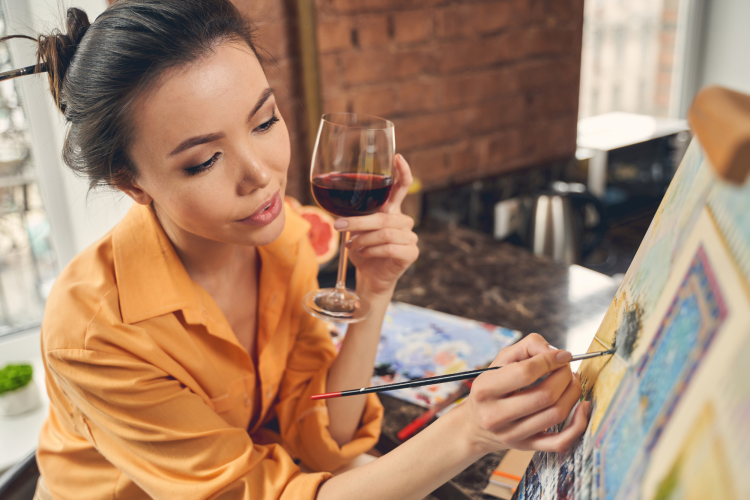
(151, 279)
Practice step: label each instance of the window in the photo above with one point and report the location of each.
(27, 260)
(630, 53)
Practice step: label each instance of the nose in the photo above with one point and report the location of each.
(252, 174)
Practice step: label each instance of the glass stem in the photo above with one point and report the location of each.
(343, 257)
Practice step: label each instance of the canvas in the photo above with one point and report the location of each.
(670, 407)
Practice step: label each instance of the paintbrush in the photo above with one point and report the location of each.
(440, 379)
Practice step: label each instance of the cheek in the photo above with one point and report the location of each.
(196, 206)
(281, 152)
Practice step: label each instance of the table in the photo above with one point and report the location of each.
(463, 272)
(604, 133)
(19, 434)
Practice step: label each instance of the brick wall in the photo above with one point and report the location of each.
(475, 88)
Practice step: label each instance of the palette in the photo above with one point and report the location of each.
(416, 342)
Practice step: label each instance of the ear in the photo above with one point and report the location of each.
(137, 193)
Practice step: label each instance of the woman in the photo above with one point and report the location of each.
(180, 362)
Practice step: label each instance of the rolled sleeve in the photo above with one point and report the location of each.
(165, 437)
(306, 431)
(303, 422)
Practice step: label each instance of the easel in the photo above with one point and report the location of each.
(720, 119)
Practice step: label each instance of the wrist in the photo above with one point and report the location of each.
(375, 296)
(459, 422)
(374, 289)
(475, 438)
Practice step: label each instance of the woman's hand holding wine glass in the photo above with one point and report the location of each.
(352, 177)
(383, 245)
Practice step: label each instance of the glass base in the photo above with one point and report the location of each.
(337, 306)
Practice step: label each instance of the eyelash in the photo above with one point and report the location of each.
(266, 126)
(203, 166)
(263, 127)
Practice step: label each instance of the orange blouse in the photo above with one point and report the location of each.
(153, 396)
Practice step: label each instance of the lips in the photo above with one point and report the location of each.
(267, 212)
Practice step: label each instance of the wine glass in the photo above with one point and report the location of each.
(350, 176)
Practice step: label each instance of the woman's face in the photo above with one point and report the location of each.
(212, 150)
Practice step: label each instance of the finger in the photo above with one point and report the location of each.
(544, 395)
(561, 441)
(401, 187)
(515, 376)
(373, 222)
(529, 346)
(400, 253)
(553, 414)
(382, 237)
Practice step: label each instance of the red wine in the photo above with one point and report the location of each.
(349, 195)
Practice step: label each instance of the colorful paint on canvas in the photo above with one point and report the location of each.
(674, 398)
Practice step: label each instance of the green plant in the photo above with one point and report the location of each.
(14, 377)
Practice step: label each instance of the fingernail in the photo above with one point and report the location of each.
(552, 348)
(563, 357)
(341, 224)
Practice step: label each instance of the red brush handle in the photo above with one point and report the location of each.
(424, 418)
(417, 424)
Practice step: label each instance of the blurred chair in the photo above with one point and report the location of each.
(19, 482)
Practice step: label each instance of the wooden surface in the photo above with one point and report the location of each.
(721, 119)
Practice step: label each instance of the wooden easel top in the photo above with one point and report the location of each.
(721, 119)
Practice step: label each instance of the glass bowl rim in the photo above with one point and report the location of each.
(387, 124)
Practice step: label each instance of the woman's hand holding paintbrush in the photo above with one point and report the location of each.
(459, 393)
(503, 413)
(497, 415)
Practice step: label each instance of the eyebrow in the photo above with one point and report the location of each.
(203, 139)
(195, 141)
(261, 101)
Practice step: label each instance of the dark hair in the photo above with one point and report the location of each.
(97, 71)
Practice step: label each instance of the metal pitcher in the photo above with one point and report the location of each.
(558, 221)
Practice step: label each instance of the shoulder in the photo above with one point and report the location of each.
(83, 288)
(296, 228)
(305, 264)
(301, 228)
(292, 249)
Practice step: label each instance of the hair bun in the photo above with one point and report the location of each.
(56, 50)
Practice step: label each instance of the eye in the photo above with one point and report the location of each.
(266, 126)
(203, 166)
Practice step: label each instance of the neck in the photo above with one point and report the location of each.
(206, 259)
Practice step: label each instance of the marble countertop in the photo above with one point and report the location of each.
(466, 273)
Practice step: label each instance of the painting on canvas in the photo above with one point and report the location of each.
(670, 400)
